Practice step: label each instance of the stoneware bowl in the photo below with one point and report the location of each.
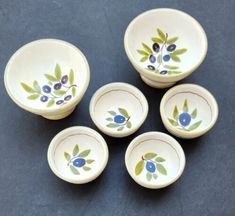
(77, 154)
(188, 110)
(118, 109)
(47, 77)
(154, 160)
(164, 46)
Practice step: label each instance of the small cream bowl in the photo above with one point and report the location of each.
(47, 77)
(165, 45)
(118, 109)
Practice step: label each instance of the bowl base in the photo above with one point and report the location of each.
(156, 84)
(60, 116)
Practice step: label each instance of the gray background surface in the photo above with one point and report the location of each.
(28, 187)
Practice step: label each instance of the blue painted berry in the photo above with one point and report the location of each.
(150, 67)
(57, 86)
(166, 58)
(64, 79)
(150, 166)
(184, 119)
(59, 102)
(171, 47)
(68, 97)
(119, 119)
(164, 72)
(46, 89)
(156, 47)
(79, 162)
(44, 98)
(152, 58)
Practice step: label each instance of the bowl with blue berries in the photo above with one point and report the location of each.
(165, 45)
(47, 77)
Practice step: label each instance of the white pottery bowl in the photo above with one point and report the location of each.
(188, 110)
(154, 160)
(118, 109)
(165, 45)
(47, 77)
(78, 155)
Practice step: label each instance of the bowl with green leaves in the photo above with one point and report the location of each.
(188, 110)
(47, 77)
(165, 45)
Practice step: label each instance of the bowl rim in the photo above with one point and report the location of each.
(190, 134)
(51, 110)
(174, 143)
(119, 85)
(144, 71)
(64, 133)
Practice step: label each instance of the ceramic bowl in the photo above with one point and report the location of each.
(118, 109)
(164, 46)
(188, 110)
(154, 160)
(47, 77)
(77, 154)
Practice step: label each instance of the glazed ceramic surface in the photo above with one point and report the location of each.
(188, 110)
(118, 109)
(165, 45)
(77, 155)
(47, 77)
(154, 160)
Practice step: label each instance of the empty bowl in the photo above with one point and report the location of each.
(165, 45)
(118, 109)
(77, 155)
(154, 160)
(47, 77)
(188, 110)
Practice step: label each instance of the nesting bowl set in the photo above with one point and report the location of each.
(49, 77)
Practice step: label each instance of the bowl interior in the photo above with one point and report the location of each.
(119, 107)
(78, 155)
(155, 160)
(166, 42)
(45, 74)
(190, 108)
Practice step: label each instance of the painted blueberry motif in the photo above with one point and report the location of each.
(156, 47)
(44, 98)
(59, 102)
(150, 166)
(46, 89)
(68, 97)
(79, 162)
(150, 67)
(119, 119)
(171, 48)
(184, 119)
(166, 58)
(57, 86)
(64, 79)
(164, 72)
(152, 58)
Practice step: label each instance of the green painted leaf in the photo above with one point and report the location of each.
(86, 168)
(155, 176)
(75, 150)
(84, 153)
(195, 125)
(150, 155)
(159, 58)
(112, 113)
(171, 67)
(173, 122)
(147, 48)
(172, 40)
(179, 51)
(128, 124)
(67, 156)
(149, 176)
(33, 96)
(157, 40)
(161, 34)
(185, 106)
(112, 125)
(50, 77)
(143, 59)
(50, 83)
(109, 119)
(175, 113)
(157, 71)
(59, 92)
(194, 114)
(71, 77)
(120, 128)
(159, 159)
(123, 112)
(26, 87)
(174, 57)
(139, 167)
(161, 169)
(89, 161)
(174, 72)
(73, 91)
(142, 52)
(36, 87)
(74, 170)
(57, 72)
(50, 102)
